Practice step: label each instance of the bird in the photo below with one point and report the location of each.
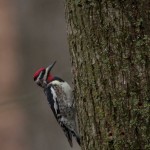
(60, 98)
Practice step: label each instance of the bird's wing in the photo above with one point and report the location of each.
(53, 98)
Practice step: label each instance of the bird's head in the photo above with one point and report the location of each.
(43, 76)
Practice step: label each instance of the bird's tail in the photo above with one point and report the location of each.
(68, 134)
(69, 137)
(78, 140)
(77, 137)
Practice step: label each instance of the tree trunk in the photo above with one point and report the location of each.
(110, 48)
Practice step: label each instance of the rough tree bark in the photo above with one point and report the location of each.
(110, 48)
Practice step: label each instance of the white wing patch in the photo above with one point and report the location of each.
(54, 98)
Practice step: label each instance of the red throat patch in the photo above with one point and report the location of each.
(50, 78)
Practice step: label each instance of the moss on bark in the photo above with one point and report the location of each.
(109, 42)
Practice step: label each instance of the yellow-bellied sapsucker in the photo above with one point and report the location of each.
(60, 98)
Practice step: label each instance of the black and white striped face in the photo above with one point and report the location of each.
(39, 76)
(42, 77)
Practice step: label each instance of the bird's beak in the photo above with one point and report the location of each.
(48, 69)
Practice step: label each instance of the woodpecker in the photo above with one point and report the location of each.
(60, 98)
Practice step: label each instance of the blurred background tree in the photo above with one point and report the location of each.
(32, 35)
(109, 42)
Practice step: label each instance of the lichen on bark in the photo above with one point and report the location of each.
(109, 46)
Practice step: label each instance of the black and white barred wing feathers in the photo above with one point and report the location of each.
(61, 102)
(52, 100)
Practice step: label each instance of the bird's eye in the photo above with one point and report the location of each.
(35, 78)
